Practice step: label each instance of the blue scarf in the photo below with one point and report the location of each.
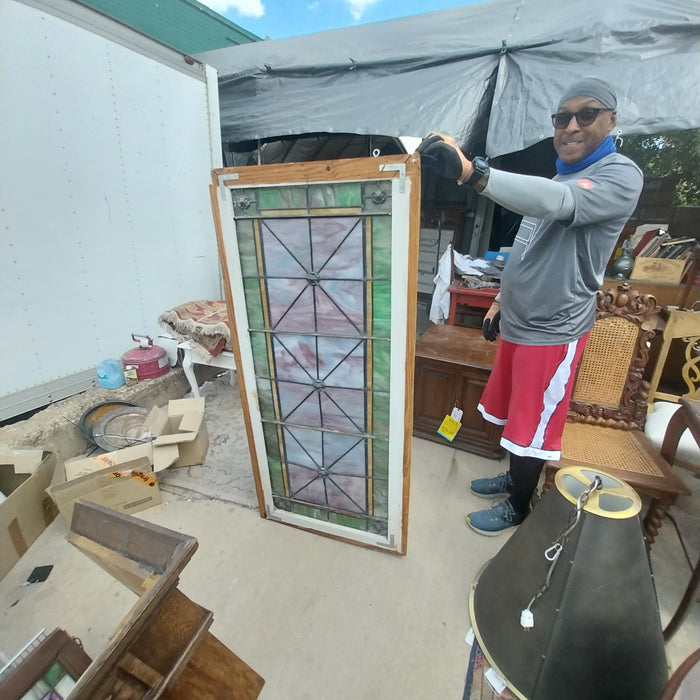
(605, 148)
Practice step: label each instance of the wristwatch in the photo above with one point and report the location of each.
(481, 167)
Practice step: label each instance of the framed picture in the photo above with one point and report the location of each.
(319, 264)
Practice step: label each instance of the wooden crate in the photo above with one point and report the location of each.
(658, 270)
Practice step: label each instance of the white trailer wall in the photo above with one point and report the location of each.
(107, 140)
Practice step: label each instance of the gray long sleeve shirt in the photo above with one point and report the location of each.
(570, 227)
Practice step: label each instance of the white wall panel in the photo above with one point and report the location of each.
(105, 220)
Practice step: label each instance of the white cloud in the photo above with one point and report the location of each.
(358, 7)
(247, 8)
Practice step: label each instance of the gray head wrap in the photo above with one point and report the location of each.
(591, 87)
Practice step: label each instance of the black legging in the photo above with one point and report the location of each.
(524, 474)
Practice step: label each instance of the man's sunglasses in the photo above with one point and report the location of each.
(584, 117)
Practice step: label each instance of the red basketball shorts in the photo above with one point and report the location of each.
(528, 392)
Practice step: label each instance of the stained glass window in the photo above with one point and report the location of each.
(318, 261)
(316, 265)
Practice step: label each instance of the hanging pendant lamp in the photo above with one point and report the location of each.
(567, 609)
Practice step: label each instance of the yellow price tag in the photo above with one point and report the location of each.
(449, 427)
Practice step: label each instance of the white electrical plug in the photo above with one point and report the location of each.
(527, 619)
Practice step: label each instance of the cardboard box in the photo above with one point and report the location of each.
(110, 460)
(667, 270)
(27, 510)
(130, 489)
(182, 441)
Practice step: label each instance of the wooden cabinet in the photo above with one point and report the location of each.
(452, 366)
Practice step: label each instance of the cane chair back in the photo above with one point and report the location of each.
(603, 374)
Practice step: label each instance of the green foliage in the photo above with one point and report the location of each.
(670, 153)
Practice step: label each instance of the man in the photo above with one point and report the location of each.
(547, 302)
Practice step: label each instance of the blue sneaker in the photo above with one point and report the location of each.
(496, 520)
(488, 488)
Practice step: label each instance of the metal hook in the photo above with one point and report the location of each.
(618, 139)
(552, 553)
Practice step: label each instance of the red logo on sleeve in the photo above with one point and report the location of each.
(586, 184)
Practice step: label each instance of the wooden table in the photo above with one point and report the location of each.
(452, 366)
(481, 298)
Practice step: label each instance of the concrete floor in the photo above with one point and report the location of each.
(315, 617)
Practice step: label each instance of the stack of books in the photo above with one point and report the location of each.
(677, 248)
(659, 244)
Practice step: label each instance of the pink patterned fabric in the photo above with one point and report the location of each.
(205, 321)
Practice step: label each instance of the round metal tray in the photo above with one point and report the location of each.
(94, 413)
(122, 427)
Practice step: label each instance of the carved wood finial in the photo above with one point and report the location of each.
(627, 302)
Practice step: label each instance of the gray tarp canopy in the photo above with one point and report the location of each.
(498, 65)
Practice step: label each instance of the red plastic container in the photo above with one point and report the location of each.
(149, 360)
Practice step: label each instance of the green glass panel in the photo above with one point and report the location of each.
(258, 342)
(380, 414)
(348, 194)
(271, 440)
(321, 196)
(274, 462)
(282, 198)
(381, 318)
(253, 303)
(267, 410)
(309, 511)
(381, 498)
(376, 196)
(380, 472)
(246, 247)
(381, 358)
(274, 466)
(334, 196)
(381, 247)
(378, 527)
(245, 202)
(347, 520)
(54, 673)
(282, 503)
(380, 458)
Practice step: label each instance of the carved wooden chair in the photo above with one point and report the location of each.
(604, 428)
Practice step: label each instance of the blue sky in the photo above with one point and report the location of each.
(283, 18)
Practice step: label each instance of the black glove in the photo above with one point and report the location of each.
(442, 157)
(491, 325)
